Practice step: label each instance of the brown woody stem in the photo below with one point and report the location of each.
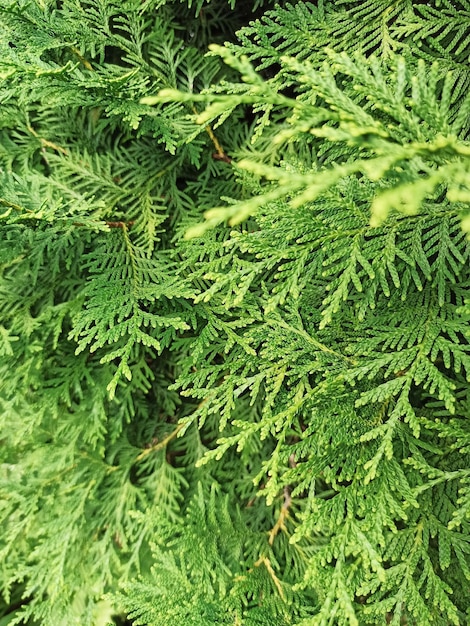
(220, 154)
(283, 515)
(160, 445)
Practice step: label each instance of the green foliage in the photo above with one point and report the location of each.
(235, 306)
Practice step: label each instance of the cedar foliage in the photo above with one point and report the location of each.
(235, 311)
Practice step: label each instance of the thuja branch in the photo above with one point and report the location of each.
(309, 339)
(122, 225)
(160, 445)
(110, 224)
(263, 560)
(220, 154)
(45, 143)
(12, 205)
(283, 515)
(82, 59)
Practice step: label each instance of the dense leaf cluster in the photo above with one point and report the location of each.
(235, 306)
